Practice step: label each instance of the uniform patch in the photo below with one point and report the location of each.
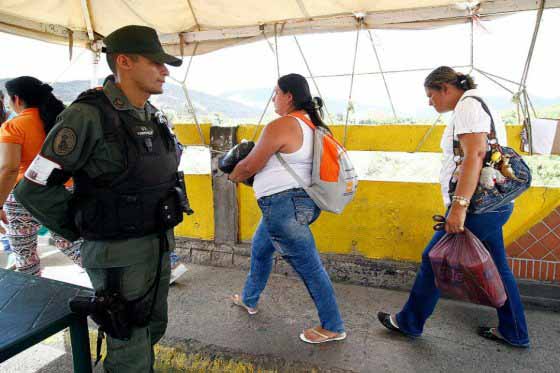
(64, 141)
(142, 131)
(118, 103)
(40, 170)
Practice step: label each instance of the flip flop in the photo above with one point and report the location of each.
(494, 335)
(323, 338)
(236, 299)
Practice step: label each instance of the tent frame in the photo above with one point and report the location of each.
(427, 17)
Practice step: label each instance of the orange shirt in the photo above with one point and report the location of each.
(27, 130)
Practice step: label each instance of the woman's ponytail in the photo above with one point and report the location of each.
(36, 94)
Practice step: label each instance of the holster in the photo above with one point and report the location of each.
(115, 315)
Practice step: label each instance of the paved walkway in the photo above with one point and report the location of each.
(207, 334)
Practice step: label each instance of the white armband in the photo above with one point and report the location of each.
(40, 170)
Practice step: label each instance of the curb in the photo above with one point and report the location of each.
(193, 356)
(350, 269)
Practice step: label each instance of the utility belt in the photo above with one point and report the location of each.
(115, 315)
(108, 213)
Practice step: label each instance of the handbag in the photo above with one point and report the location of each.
(503, 177)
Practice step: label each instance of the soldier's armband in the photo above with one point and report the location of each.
(45, 172)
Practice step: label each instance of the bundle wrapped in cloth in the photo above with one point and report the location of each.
(228, 161)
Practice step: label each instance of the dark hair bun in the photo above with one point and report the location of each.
(317, 103)
(462, 81)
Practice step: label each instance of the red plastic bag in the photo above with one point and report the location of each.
(464, 269)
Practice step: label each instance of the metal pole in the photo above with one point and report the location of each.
(313, 79)
(350, 105)
(95, 56)
(276, 50)
(526, 74)
(382, 74)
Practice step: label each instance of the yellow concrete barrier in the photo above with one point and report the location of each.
(200, 225)
(387, 220)
(188, 133)
(392, 220)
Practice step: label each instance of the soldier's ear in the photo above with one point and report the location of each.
(124, 62)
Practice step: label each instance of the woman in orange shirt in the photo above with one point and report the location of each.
(21, 139)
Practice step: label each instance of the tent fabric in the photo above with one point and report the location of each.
(215, 24)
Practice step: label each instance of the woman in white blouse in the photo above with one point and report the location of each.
(448, 90)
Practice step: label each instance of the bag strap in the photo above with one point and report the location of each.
(491, 136)
(291, 171)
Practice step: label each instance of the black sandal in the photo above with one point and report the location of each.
(490, 333)
(385, 320)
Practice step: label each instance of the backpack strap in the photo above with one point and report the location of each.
(307, 121)
(296, 115)
(290, 170)
(299, 115)
(310, 192)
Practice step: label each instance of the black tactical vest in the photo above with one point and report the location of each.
(140, 201)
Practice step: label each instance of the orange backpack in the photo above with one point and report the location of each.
(333, 178)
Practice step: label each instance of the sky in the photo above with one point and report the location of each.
(501, 48)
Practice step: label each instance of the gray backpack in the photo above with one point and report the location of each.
(333, 178)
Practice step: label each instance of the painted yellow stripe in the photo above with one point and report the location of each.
(388, 137)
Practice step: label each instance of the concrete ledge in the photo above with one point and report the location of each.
(189, 355)
(350, 269)
(540, 294)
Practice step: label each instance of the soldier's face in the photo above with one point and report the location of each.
(149, 75)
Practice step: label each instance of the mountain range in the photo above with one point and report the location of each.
(246, 106)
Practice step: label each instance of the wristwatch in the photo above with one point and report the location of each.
(461, 201)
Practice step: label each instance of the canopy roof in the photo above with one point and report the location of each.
(214, 24)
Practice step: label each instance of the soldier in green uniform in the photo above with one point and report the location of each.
(123, 160)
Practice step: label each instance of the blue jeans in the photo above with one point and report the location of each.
(284, 226)
(424, 295)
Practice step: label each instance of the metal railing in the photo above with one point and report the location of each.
(535, 269)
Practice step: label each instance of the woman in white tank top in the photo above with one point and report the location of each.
(287, 211)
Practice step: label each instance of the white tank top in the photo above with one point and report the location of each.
(274, 178)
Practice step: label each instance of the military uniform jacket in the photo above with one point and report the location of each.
(77, 144)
